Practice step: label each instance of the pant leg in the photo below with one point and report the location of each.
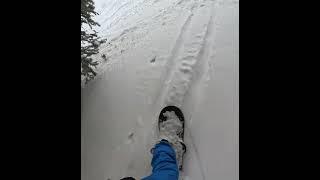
(164, 163)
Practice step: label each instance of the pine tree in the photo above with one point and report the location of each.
(89, 40)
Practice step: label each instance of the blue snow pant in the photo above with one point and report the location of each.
(164, 163)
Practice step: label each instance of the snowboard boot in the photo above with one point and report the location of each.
(171, 128)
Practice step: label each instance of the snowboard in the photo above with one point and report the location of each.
(179, 113)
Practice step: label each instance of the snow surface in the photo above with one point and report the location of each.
(163, 52)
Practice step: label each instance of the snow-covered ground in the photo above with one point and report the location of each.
(163, 52)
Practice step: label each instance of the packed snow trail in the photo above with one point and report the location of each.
(189, 51)
(163, 52)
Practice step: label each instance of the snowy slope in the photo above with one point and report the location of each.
(163, 52)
